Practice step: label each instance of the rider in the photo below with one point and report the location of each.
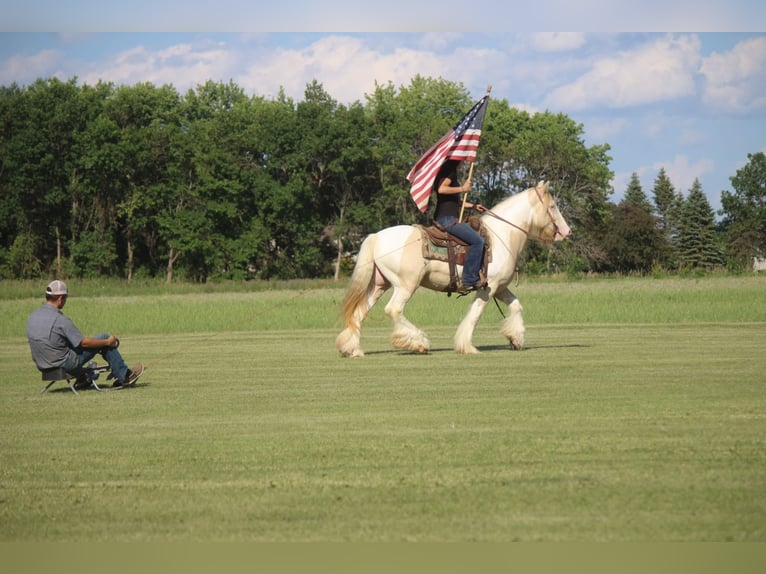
(447, 215)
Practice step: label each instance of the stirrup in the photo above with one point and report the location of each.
(467, 289)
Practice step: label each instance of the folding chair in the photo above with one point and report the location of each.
(91, 372)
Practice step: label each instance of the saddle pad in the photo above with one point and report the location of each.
(435, 245)
(438, 251)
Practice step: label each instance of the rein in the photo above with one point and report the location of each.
(525, 231)
(496, 216)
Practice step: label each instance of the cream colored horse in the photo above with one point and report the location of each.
(393, 257)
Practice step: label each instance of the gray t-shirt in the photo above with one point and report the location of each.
(51, 335)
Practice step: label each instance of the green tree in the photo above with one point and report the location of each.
(210, 199)
(18, 249)
(551, 147)
(293, 183)
(744, 210)
(664, 196)
(499, 169)
(39, 150)
(634, 194)
(667, 206)
(336, 147)
(697, 241)
(106, 180)
(632, 240)
(277, 163)
(149, 140)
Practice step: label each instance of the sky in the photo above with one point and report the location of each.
(693, 103)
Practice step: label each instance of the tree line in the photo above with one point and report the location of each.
(141, 181)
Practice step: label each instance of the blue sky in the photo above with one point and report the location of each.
(693, 103)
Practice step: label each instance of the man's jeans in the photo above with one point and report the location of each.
(471, 237)
(75, 361)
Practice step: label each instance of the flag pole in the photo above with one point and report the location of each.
(470, 174)
(465, 195)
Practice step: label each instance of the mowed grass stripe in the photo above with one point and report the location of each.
(596, 432)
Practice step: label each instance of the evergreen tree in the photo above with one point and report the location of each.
(744, 210)
(667, 206)
(664, 197)
(634, 194)
(697, 240)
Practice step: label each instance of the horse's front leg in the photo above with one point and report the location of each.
(464, 335)
(513, 325)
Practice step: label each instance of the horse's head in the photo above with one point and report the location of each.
(549, 221)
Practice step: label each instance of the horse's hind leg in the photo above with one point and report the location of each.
(513, 325)
(406, 336)
(349, 341)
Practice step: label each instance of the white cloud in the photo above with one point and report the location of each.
(557, 41)
(736, 80)
(348, 68)
(661, 70)
(439, 40)
(530, 109)
(693, 136)
(26, 69)
(345, 66)
(679, 170)
(181, 65)
(604, 130)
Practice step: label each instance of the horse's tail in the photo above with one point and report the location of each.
(354, 307)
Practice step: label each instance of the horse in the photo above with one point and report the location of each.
(393, 257)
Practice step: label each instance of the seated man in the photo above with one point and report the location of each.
(55, 341)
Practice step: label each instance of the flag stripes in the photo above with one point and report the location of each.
(423, 174)
(460, 143)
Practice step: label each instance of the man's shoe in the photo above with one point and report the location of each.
(133, 375)
(82, 382)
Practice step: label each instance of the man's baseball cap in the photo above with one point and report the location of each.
(56, 288)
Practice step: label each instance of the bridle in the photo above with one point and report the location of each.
(526, 231)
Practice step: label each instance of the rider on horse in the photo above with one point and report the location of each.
(447, 215)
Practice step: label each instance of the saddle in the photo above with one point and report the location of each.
(440, 245)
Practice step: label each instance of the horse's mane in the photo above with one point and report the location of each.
(510, 199)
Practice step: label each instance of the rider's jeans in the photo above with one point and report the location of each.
(469, 235)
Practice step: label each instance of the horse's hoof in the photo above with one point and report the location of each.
(352, 354)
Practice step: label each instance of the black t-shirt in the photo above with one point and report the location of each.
(447, 204)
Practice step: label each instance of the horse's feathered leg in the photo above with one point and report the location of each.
(362, 293)
(464, 336)
(513, 325)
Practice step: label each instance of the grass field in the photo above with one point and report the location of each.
(636, 413)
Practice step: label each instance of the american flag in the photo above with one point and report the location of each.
(460, 143)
